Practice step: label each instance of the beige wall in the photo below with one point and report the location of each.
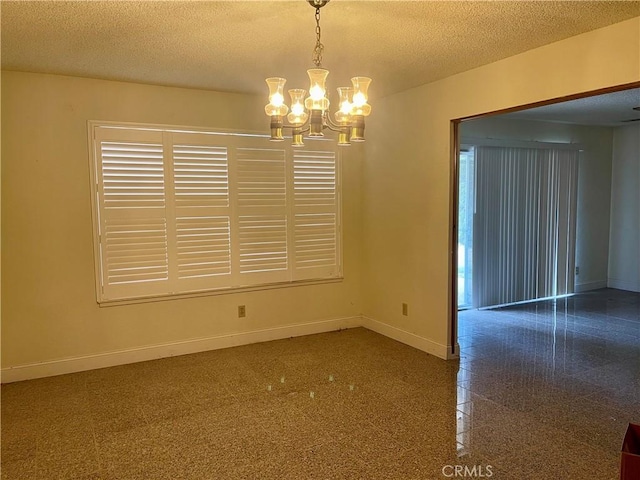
(624, 247)
(594, 182)
(395, 207)
(407, 174)
(49, 309)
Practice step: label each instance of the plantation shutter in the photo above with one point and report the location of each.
(184, 211)
(132, 216)
(315, 215)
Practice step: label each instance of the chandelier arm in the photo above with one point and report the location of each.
(335, 127)
(300, 127)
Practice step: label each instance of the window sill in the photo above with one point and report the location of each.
(221, 291)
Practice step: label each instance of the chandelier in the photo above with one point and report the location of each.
(310, 115)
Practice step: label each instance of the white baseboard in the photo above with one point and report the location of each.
(152, 352)
(411, 339)
(623, 284)
(585, 287)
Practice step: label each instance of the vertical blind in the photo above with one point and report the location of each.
(183, 211)
(524, 224)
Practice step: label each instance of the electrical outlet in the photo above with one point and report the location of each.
(242, 311)
(577, 270)
(405, 309)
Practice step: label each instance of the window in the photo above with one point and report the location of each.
(466, 213)
(179, 211)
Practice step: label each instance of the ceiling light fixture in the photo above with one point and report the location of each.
(311, 114)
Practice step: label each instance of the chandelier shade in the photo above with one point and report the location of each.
(310, 115)
(298, 115)
(276, 104)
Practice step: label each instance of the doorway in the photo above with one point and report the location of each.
(593, 231)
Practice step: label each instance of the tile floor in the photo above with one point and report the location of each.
(552, 385)
(542, 391)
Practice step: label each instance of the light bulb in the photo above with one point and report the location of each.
(359, 99)
(316, 93)
(277, 99)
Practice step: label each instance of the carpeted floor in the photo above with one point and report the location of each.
(542, 391)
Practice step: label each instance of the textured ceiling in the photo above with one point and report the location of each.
(233, 45)
(610, 110)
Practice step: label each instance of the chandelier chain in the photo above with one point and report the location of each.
(317, 51)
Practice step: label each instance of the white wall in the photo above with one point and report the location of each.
(408, 176)
(594, 182)
(624, 242)
(51, 322)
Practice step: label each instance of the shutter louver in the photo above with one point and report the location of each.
(315, 240)
(201, 176)
(314, 177)
(133, 175)
(261, 178)
(316, 214)
(135, 250)
(263, 243)
(203, 245)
